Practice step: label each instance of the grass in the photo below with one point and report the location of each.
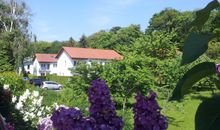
(181, 115)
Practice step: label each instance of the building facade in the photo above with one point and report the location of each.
(67, 59)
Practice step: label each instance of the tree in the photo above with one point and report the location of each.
(71, 42)
(99, 39)
(171, 20)
(14, 18)
(115, 29)
(5, 54)
(116, 39)
(83, 42)
(165, 20)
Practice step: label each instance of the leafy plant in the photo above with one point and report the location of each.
(207, 116)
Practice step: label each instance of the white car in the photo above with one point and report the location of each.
(51, 85)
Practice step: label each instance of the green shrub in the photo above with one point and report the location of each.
(127, 116)
(15, 82)
(70, 98)
(59, 79)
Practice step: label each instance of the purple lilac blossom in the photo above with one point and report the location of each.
(70, 119)
(9, 126)
(45, 124)
(218, 68)
(147, 114)
(102, 108)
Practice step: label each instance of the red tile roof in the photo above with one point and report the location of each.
(90, 53)
(46, 57)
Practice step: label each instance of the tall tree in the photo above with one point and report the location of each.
(83, 42)
(71, 42)
(170, 20)
(14, 21)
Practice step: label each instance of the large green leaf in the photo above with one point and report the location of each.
(203, 15)
(208, 115)
(191, 77)
(195, 46)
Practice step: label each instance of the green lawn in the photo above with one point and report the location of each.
(181, 115)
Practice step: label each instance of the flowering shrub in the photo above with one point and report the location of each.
(14, 81)
(70, 119)
(45, 124)
(218, 68)
(30, 105)
(102, 108)
(102, 112)
(147, 113)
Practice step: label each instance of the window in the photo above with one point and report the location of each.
(74, 63)
(55, 65)
(42, 65)
(48, 66)
(28, 67)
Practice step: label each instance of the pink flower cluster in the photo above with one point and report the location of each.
(218, 68)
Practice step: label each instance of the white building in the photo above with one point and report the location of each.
(67, 59)
(28, 65)
(44, 64)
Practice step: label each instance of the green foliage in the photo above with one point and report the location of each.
(208, 114)
(171, 20)
(166, 73)
(191, 77)
(59, 79)
(203, 15)
(70, 98)
(127, 116)
(165, 20)
(14, 34)
(214, 51)
(17, 86)
(115, 39)
(156, 44)
(195, 46)
(84, 74)
(5, 56)
(83, 42)
(128, 76)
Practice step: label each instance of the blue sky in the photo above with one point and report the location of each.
(61, 19)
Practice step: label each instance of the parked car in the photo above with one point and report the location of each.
(36, 82)
(51, 85)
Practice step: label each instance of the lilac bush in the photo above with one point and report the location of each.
(102, 108)
(218, 68)
(70, 119)
(45, 124)
(147, 114)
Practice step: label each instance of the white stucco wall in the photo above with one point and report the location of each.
(53, 68)
(64, 63)
(30, 70)
(36, 67)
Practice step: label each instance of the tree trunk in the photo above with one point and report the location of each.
(124, 103)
